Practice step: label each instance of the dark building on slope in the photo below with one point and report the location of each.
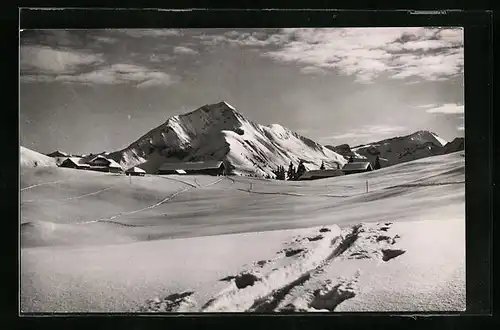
(320, 174)
(204, 167)
(357, 167)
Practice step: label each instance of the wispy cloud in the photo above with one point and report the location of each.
(448, 108)
(115, 74)
(47, 60)
(155, 33)
(105, 39)
(259, 38)
(157, 58)
(426, 106)
(312, 70)
(461, 128)
(368, 131)
(184, 50)
(122, 74)
(366, 53)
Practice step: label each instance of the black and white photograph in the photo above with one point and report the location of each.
(259, 170)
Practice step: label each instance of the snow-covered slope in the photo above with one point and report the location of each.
(30, 158)
(219, 132)
(114, 232)
(398, 149)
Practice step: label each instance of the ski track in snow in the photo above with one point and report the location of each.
(69, 198)
(166, 199)
(297, 279)
(250, 190)
(178, 180)
(43, 183)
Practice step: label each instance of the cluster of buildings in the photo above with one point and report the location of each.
(98, 163)
(202, 167)
(103, 164)
(349, 168)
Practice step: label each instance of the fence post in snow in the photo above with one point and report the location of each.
(130, 178)
(366, 185)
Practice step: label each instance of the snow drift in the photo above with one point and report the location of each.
(219, 132)
(30, 158)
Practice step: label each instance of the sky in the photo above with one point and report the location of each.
(88, 91)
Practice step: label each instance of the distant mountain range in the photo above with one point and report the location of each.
(401, 149)
(219, 132)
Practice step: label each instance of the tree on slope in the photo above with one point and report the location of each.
(322, 167)
(280, 173)
(377, 163)
(301, 169)
(351, 159)
(291, 172)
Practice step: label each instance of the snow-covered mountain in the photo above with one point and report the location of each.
(400, 149)
(219, 132)
(30, 158)
(346, 151)
(456, 145)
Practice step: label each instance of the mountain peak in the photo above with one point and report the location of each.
(428, 136)
(222, 103)
(219, 105)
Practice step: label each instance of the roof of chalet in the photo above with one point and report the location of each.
(77, 161)
(191, 165)
(322, 173)
(98, 157)
(114, 164)
(357, 166)
(135, 170)
(111, 162)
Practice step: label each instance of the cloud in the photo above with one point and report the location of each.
(312, 70)
(461, 128)
(426, 106)
(448, 108)
(116, 74)
(368, 131)
(184, 50)
(157, 58)
(47, 60)
(154, 33)
(36, 78)
(367, 53)
(260, 38)
(104, 39)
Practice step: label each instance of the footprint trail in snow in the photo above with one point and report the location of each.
(300, 276)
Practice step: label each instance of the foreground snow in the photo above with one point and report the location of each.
(97, 241)
(410, 266)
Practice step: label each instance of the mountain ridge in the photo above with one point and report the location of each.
(399, 149)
